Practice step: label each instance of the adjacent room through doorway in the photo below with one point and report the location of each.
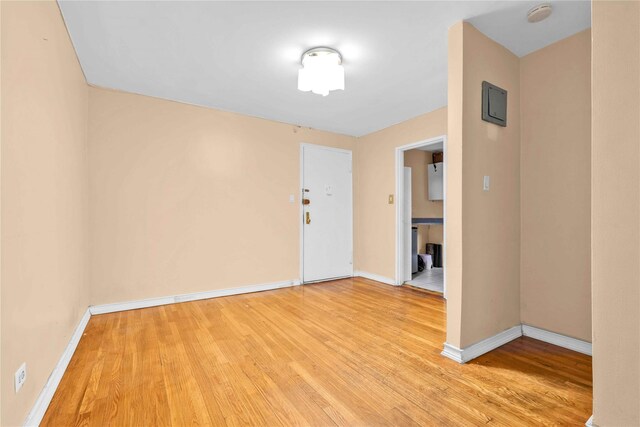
(422, 218)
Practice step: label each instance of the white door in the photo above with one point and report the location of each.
(327, 219)
(406, 224)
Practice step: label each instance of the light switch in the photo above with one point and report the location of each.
(328, 190)
(485, 183)
(291, 199)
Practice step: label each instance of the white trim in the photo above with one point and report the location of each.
(452, 352)
(329, 279)
(326, 147)
(376, 277)
(301, 210)
(459, 355)
(557, 339)
(482, 347)
(130, 305)
(491, 343)
(44, 398)
(301, 223)
(152, 302)
(399, 203)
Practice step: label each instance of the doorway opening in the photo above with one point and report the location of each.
(421, 180)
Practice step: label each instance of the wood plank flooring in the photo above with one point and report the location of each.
(349, 352)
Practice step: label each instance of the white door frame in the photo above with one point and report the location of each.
(400, 203)
(406, 229)
(301, 206)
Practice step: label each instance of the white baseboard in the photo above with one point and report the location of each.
(452, 352)
(376, 277)
(459, 355)
(491, 343)
(590, 423)
(44, 399)
(152, 302)
(574, 344)
(130, 305)
(478, 349)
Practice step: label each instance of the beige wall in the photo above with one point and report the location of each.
(484, 261)
(555, 271)
(187, 199)
(1, 32)
(453, 225)
(433, 233)
(44, 198)
(429, 233)
(164, 220)
(421, 206)
(375, 217)
(615, 207)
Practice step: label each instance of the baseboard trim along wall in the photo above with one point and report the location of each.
(459, 355)
(152, 302)
(376, 277)
(478, 349)
(44, 398)
(574, 344)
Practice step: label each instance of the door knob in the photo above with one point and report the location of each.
(307, 218)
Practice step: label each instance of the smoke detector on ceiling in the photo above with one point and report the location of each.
(539, 13)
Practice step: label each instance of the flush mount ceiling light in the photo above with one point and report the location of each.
(540, 12)
(321, 71)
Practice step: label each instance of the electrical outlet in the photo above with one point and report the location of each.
(20, 377)
(486, 182)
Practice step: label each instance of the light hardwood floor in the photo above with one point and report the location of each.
(349, 352)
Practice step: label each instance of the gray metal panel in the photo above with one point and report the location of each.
(494, 104)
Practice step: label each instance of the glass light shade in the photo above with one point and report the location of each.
(321, 72)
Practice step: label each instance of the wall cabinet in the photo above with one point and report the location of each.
(435, 179)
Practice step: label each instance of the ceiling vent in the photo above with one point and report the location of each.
(539, 13)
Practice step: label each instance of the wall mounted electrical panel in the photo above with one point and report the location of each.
(494, 104)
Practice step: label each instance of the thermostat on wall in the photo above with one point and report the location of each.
(494, 104)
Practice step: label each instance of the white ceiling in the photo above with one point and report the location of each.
(244, 56)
